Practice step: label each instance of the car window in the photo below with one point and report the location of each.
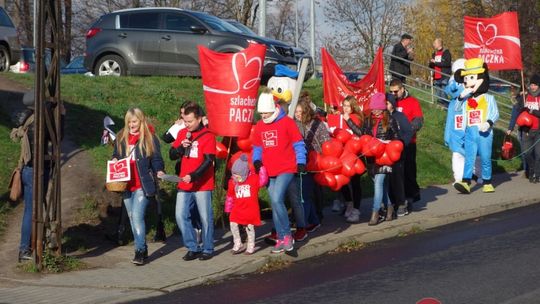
(146, 20)
(179, 22)
(217, 24)
(4, 19)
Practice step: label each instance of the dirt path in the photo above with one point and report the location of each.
(79, 187)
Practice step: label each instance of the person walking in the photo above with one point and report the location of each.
(441, 62)
(279, 146)
(196, 146)
(136, 142)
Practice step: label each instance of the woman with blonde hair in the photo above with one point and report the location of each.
(137, 142)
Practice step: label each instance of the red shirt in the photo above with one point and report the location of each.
(135, 182)
(205, 144)
(276, 140)
(245, 196)
(411, 108)
(438, 58)
(533, 103)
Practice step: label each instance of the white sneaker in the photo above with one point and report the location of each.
(337, 206)
(348, 209)
(354, 217)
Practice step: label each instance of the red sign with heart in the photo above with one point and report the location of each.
(495, 40)
(231, 83)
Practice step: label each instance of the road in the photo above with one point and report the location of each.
(488, 260)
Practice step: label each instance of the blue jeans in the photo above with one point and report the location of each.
(480, 143)
(276, 189)
(202, 200)
(27, 177)
(308, 186)
(136, 203)
(381, 191)
(293, 193)
(440, 85)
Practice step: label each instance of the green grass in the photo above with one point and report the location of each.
(90, 99)
(9, 155)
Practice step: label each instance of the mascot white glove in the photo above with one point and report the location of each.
(466, 92)
(484, 127)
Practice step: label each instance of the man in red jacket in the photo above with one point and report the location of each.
(409, 106)
(196, 145)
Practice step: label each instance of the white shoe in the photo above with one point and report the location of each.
(349, 209)
(337, 206)
(354, 217)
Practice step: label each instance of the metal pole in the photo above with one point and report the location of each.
(262, 19)
(296, 25)
(312, 18)
(35, 10)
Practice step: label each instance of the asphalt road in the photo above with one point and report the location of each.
(495, 259)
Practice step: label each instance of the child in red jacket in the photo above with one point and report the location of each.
(243, 203)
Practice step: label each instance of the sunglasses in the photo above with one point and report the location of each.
(394, 91)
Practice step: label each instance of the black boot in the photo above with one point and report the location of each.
(160, 235)
(139, 258)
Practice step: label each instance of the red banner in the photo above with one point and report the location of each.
(336, 86)
(231, 83)
(495, 40)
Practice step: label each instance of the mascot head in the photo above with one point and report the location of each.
(474, 76)
(283, 83)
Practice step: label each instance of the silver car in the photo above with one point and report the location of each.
(10, 50)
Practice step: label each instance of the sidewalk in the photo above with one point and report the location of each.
(166, 271)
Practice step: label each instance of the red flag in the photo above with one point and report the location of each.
(336, 86)
(495, 40)
(231, 83)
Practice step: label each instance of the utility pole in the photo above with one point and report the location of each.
(262, 19)
(35, 11)
(296, 24)
(312, 17)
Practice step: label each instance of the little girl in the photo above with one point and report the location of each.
(243, 202)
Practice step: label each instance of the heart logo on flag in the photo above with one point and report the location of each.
(119, 166)
(489, 32)
(239, 64)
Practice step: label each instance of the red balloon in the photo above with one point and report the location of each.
(330, 164)
(329, 179)
(384, 160)
(394, 149)
(348, 169)
(342, 135)
(341, 180)
(244, 144)
(354, 145)
(221, 150)
(313, 161)
(332, 147)
(374, 148)
(359, 167)
(364, 140)
(525, 119)
(319, 179)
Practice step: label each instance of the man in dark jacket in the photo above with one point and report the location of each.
(441, 62)
(405, 134)
(401, 52)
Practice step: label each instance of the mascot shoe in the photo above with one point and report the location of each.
(463, 187)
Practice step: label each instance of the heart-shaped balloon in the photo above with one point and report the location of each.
(221, 150)
(330, 164)
(341, 180)
(244, 144)
(394, 149)
(313, 161)
(332, 147)
(384, 160)
(342, 135)
(374, 148)
(354, 145)
(525, 119)
(359, 167)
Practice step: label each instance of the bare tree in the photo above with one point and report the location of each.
(364, 25)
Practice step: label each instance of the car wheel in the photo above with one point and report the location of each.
(111, 65)
(4, 59)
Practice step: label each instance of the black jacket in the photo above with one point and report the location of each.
(397, 65)
(445, 64)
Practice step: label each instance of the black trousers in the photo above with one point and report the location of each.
(532, 157)
(353, 191)
(397, 186)
(412, 190)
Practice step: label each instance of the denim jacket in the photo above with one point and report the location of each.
(147, 166)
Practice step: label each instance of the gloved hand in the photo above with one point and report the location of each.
(466, 92)
(484, 127)
(301, 168)
(257, 164)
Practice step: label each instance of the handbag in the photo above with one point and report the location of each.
(15, 185)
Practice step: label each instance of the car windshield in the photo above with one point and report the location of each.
(246, 30)
(217, 24)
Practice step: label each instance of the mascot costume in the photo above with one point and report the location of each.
(480, 113)
(283, 83)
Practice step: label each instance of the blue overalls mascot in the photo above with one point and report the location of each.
(480, 113)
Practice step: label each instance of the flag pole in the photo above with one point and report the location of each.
(522, 85)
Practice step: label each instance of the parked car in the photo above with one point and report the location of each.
(76, 66)
(10, 50)
(163, 41)
(298, 52)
